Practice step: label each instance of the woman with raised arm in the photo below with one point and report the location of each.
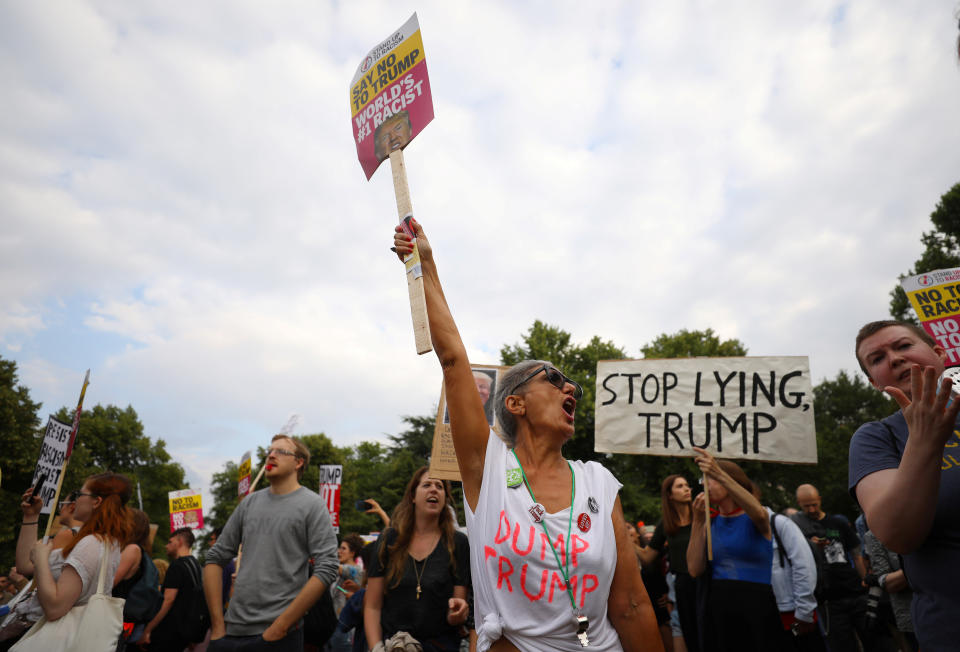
(741, 612)
(550, 561)
(417, 581)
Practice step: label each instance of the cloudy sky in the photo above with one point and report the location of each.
(183, 212)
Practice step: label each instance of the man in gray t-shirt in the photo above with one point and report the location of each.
(281, 529)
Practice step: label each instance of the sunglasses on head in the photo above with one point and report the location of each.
(555, 378)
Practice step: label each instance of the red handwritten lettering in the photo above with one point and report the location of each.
(556, 582)
(523, 582)
(585, 588)
(502, 536)
(545, 543)
(501, 576)
(488, 552)
(533, 536)
(576, 541)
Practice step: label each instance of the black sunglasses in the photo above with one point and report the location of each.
(555, 378)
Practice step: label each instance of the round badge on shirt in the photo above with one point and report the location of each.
(592, 504)
(583, 522)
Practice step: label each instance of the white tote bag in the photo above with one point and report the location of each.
(91, 627)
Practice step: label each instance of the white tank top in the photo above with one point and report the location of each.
(518, 590)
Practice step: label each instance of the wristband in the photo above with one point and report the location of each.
(31, 523)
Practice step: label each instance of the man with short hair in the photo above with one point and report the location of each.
(905, 472)
(281, 530)
(167, 629)
(844, 598)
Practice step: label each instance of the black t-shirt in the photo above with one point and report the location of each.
(842, 577)
(677, 548)
(179, 576)
(426, 618)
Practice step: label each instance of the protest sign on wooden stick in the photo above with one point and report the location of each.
(66, 460)
(390, 104)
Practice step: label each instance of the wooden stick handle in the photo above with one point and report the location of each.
(706, 506)
(418, 300)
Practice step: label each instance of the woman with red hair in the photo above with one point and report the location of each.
(68, 577)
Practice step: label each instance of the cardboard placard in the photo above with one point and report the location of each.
(753, 408)
(53, 454)
(443, 457)
(935, 297)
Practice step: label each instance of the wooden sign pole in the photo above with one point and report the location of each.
(418, 301)
(706, 506)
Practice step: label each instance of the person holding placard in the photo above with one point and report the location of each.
(905, 471)
(741, 612)
(540, 581)
(68, 577)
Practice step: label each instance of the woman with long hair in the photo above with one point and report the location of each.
(134, 561)
(673, 533)
(68, 577)
(539, 581)
(417, 580)
(740, 613)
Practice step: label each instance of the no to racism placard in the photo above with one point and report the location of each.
(390, 101)
(758, 408)
(243, 475)
(935, 297)
(53, 454)
(331, 478)
(186, 509)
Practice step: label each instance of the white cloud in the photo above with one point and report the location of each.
(181, 188)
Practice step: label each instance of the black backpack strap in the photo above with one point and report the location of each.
(195, 573)
(776, 535)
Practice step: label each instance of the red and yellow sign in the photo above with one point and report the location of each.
(390, 100)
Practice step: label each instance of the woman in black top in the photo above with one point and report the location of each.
(673, 533)
(417, 581)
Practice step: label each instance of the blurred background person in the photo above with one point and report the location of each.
(672, 535)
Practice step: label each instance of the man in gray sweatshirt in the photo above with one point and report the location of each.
(281, 528)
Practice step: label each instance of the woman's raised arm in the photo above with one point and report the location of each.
(468, 423)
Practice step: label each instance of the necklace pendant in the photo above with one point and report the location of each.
(582, 624)
(418, 590)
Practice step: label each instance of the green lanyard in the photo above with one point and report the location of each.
(543, 523)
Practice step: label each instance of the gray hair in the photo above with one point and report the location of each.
(509, 380)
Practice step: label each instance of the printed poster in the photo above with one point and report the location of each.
(935, 297)
(443, 458)
(751, 408)
(243, 473)
(390, 100)
(53, 453)
(331, 478)
(186, 509)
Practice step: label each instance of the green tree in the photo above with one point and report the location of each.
(691, 344)
(20, 438)
(941, 249)
(112, 439)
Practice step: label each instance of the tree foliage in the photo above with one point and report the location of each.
(20, 442)
(941, 249)
(109, 439)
